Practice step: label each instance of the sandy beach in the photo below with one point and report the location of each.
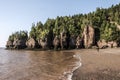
(98, 65)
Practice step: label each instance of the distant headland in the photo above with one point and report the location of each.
(99, 29)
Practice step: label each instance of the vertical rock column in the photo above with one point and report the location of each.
(88, 35)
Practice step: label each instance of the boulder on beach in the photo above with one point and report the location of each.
(115, 45)
(112, 44)
(102, 43)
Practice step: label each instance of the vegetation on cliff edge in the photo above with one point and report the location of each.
(102, 20)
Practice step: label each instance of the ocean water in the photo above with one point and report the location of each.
(37, 65)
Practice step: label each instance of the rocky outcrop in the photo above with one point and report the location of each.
(31, 43)
(63, 40)
(102, 44)
(9, 44)
(43, 43)
(79, 42)
(19, 44)
(56, 42)
(88, 35)
(112, 44)
(115, 45)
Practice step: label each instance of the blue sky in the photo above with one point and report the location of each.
(18, 15)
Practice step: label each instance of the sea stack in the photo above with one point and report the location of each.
(88, 35)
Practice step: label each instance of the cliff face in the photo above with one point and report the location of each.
(79, 42)
(19, 44)
(106, 24)
(43, 43)
(16, 44)
(88, 35)
(64, 41)
(31, 43)
(9, 44)
(56, 42)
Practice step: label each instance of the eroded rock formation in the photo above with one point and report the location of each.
(112, 44)
(43, 43)
(56, 42)
(102, 43)
(9, 44)
(115, 44)
(63, 40)
(31, 43)
(88, 35)
(79, 42)
(19, 44)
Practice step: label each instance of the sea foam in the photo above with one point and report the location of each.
(68, 74)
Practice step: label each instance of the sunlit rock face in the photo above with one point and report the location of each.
(63, 40)
(31, 43)
(112, 44)
(16, 44)
(19, 44)
(43, 43)
(88, 35)
(102, 43)
(79, 42)
(56, 42)
(9, 44)
(115, 44)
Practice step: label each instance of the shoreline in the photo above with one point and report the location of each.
(96, 65)
(72, 50)
(102, 65)
(67, 75)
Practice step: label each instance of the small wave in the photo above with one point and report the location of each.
(68, 74)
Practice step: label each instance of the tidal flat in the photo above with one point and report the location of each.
(98, 65)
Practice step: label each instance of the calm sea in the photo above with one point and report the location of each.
(37, 65)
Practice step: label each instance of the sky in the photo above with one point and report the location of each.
(16, 15)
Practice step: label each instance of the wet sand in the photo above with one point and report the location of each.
(102, 65)
(50, 65)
